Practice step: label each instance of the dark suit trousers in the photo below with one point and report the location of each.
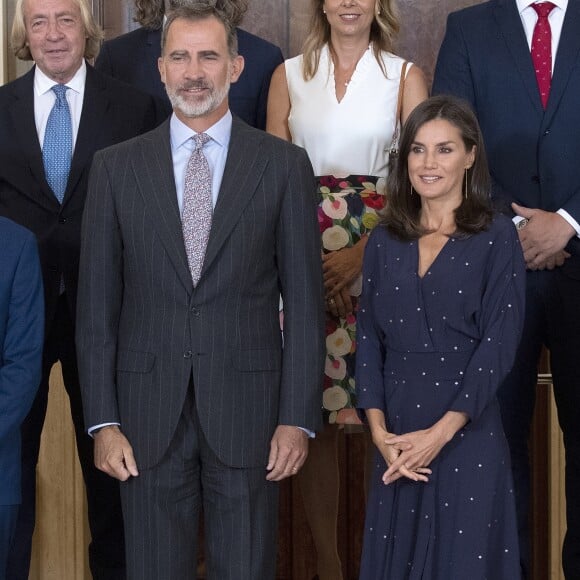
(161, 511)
(106, 551)
(8, 514)
(553, 319)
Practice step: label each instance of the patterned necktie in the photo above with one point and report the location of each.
(197, 207)
(57, 147)
(542, 49)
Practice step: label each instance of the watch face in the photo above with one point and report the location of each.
(522, 224)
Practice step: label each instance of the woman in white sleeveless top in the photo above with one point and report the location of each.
(338, 100)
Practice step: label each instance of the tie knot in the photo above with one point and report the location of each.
(60, 92)
(543, 9)
(200, 140)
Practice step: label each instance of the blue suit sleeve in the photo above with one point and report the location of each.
(103, 61)
(262, 105)
(454, 76)
(23, 340)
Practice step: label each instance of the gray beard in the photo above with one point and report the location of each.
(193, 109)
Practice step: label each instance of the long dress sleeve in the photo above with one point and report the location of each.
(370, 338)
(500, 321)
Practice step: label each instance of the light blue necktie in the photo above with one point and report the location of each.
(57, 147)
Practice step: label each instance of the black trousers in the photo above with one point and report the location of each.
(107, 548)
(162, 506)
(553, 320)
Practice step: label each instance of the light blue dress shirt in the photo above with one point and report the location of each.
(215, 151)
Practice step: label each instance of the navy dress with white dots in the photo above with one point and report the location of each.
(426, 346)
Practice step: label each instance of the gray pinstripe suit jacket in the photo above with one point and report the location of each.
(143, 330)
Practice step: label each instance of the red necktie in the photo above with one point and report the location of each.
(542, 49)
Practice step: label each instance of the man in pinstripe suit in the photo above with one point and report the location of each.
(190, 397)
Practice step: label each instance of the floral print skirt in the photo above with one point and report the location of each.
(347, 211)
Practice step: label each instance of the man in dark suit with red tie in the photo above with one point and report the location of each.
(52, 120)
(518, 63)
(132, 57)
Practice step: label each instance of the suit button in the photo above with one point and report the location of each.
(187, 354)
(195, 311)
(535, 178)
(546, 132)
(62, 220)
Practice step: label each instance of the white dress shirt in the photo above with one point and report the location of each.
(215, 151)
(44, 99)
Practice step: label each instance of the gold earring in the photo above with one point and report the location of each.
(466, 169)
(412, 190)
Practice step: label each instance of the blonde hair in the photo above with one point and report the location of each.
(384, 29)
(149, 13)
(19, 41)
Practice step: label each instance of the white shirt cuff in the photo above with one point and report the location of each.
(94, 428)
(311, 434)
(570, 220)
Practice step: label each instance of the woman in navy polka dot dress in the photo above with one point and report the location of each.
(440, 320)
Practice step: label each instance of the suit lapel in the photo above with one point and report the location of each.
(510, 26)
(22, 113)
(242, 173)
(153, 171)
(567, 58)
(95, 105)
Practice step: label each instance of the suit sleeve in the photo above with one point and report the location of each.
(454, 76)
(501, 323)
(23, 343)
(370, 355)
(261, 111)
(103, 61)
(298, 255)
(99, 298)
(452, 70)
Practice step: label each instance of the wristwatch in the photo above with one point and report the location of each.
(522, 224)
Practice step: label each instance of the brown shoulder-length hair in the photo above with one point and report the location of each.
(149, 13)
(19, 42)
(402, 212)
(384, 29)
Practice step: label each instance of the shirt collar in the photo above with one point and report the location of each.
(523, 4)
(43, 83)
(220, 132)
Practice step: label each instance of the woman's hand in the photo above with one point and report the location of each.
(423, 446)
(392, 451)
(340, 268)
(340, 304)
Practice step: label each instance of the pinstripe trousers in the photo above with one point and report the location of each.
(161, 512)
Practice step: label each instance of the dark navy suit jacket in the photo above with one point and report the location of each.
(112, 112)
(21, 340)
(132, 58)
(533, 154)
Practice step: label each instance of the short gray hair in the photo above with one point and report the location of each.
(201, 12)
